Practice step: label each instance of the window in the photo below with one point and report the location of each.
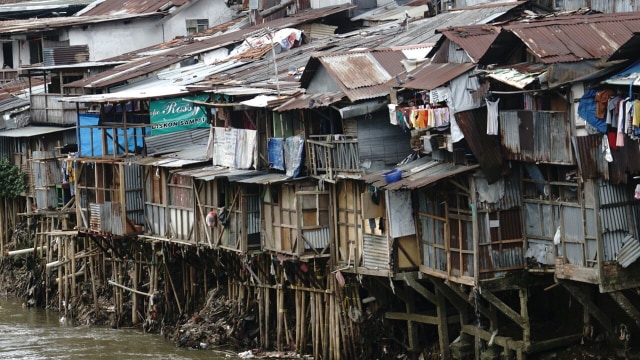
(197, 25)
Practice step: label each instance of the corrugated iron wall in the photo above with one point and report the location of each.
(618, 215)
(375, 252)
(133, 191)
(46, 175)
(536, 136)
(65, 55)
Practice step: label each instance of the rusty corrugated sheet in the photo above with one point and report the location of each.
(474, 39)
(536, 136)
(431, 76)
(178, 49)
(486, 148)
(577, 38)
(361, 75)
(115, 7)
(65, 55)
(589, 156)
(356, 70)
(626, 159)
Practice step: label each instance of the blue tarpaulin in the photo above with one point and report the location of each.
(587, 111)
(276, 153)
(90, 138)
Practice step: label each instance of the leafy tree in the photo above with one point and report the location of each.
(12, 181)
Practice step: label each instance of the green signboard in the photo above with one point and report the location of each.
(171, 115)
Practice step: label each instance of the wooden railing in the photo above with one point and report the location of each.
(333, 154)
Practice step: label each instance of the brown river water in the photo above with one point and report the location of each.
(39, 334)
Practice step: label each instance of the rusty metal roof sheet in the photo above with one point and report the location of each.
(118, 7)
(474, 39)
(356, 70)
(576, 38)
(177, 50)
(360, 74)
(418, 173)
(432, 75)
(214, 172)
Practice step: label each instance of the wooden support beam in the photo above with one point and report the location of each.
(481, 308)
(504, 308)
(584, 299)
(443, 328)
(503, 341)
(461, 305)
(419, 288)
(626, 305)
(420, 318)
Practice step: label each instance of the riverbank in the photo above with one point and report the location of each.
(200, 299)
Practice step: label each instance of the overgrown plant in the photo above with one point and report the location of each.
(13, 181)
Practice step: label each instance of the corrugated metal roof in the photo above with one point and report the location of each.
(576, 38)
(361, 75)
(392, 12)
(519, 75)
(151, 93)
(12, 103)
(177, 141)
(29, 131)
(266, 179)
(176, 50)
(41, 24)
(432, 75)
(424, 30)
(418, 173)
(118, 7)
(166, 162)
(311, 101)
(474, 39)
(356, 70)
(213, 172)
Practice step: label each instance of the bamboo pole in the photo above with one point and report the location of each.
(26, 251)
(74, 292)
(280, 306)
(94, 291)
(267, 313)
(134, 295)
(314, 325)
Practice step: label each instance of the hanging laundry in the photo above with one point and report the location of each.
(492, 116)
(602, 102)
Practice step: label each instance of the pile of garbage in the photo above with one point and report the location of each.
(218, 324)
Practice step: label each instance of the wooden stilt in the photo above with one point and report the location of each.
(134, 295)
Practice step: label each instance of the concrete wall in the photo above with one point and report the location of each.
(216, 11)
(106, 40)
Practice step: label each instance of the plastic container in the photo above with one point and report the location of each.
(392, 176)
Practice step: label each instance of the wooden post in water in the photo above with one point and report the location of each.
(134, 295)
(74, 291)
(92, 274)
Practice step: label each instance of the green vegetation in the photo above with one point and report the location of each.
(12, 181)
